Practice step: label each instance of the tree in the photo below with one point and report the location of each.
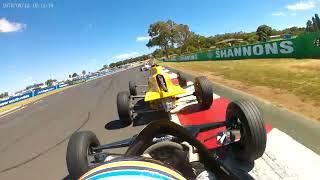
(263, 32)
(158, 53)
(112, 65)
(314, 23)
(169, 36)
(309, 27)
(49, 82)
(70, 76)
(105, 66)
(83, 72)
(172, 37)
(162, 34)
(74, 75)
(181, 34)
(3, 95)
(317, 20)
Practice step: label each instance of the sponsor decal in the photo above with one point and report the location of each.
(45, 90)
(210, 55)
(284, 47)
(15, 99)
(62, 85)
(188, 58)
(270, 48)
(317, 42)
(4, 103)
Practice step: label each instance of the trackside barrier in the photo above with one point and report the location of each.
(62, 85)
(44, 90)
(306, 45)
(18, 98)
(14, 99)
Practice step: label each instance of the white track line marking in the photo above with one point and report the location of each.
(174, 118)
(173, 75)
(285, 158)
(5, 112)
(165, 70)
(189, 83)
(216, 96)
(13, 112)
(188, 99)
(37, 101)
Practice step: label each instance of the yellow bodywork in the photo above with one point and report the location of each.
(154, 92)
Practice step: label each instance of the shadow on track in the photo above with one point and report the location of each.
(115, 124)
(146, 118)
(67, 177)
(138, 120)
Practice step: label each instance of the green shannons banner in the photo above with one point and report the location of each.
(306, 45)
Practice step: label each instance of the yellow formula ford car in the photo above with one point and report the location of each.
(162, 94)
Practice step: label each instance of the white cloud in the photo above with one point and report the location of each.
(7, 26)
(293, 14)
(302, 5)
(278, 14)
(143, 38)
(126, 55)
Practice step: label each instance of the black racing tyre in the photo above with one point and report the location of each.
(203, 92)
(132, 88)
(182, 80)
(78, 151)
(245, 116)
(124, 109)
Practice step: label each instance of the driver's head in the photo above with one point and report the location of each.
(132, 169)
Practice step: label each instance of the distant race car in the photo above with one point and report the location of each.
(145, 67)
(162, 94)
(167, 150)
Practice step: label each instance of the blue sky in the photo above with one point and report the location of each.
(73, 35)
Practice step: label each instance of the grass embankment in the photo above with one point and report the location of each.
(32, 99)
(294, 84)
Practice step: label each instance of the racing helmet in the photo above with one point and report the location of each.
(132, 169)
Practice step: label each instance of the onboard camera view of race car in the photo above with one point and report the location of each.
(181, 89)
(162, 94)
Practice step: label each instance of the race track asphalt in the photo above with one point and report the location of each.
(33, 140)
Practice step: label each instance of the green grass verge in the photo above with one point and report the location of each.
(299, 77)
